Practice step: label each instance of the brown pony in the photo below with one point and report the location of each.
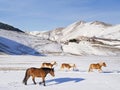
(96, 66)
(68, 66)
(49, 65)
(37, 72)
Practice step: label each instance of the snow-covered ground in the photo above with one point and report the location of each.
(12, 71)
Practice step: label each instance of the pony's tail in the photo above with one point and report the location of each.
(89, 69)
(25, 78)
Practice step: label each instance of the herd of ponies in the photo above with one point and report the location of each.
(48, 68)
(68, 66)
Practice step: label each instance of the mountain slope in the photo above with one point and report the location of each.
(89, 29)
(9, 27)
(79, 38)
(15, 43)
(87, 38)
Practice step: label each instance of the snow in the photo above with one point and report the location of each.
(82, 48)
(88, 29)
(95, 38)
(22, 43)
(12, 71)
(108, 36)
(21, 46)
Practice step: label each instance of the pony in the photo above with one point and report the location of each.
(68, 66)
(97, 66)
(49, 65)
(38, 72)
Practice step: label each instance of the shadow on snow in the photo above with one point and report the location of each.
(64, 80)
(15, 48)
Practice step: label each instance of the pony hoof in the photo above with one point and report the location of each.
(40, 82)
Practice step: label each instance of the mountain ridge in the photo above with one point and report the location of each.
(82, 28)
(79, 38)
(87, 38)
(9, 27)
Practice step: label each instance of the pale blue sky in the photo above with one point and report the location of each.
(39, 15)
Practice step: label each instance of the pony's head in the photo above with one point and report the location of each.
(53, 63)
(52, 72)
(103, 64)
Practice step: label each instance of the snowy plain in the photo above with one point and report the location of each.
(13, 67)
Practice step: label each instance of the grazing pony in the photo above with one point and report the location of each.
(97, 66)
(68, 66)
(49, 65)
(37, 72)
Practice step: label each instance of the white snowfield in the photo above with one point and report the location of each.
(12, 72)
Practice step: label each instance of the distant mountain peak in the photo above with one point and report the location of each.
(80, 22)
(101, 23)
(60, 28)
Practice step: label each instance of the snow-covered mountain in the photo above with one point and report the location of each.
(79, 38)
(17, 43)
(96, 38)
(81, 28)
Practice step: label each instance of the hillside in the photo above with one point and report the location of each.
(15, 43)
(86, 38)
(9, 27)
(79, 38)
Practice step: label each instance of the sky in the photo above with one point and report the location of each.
(41, 15)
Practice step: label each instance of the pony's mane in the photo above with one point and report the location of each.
(101, 63)
(45, 68)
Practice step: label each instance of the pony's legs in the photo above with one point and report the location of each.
(26, 79)
(68, 69)
(100, 70)
(43, 81)
(90, 70)
(61, 68)
(33, 78)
